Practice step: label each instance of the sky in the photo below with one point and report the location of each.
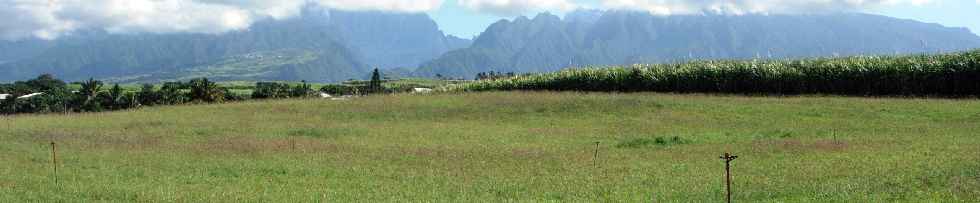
(465, 21)
(51, 19)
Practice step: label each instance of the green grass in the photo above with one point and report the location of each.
(513, 146)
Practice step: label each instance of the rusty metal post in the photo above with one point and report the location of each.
(728, 175)
(54, 161)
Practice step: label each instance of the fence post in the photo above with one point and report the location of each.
(728, 175)
(595, 158)
(54, 161)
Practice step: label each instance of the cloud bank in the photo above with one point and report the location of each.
(50, 19)
(516, 7)
(740, 7)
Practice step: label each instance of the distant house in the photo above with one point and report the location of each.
(30, 95)
(4, 96)
(421, 90)
(325, 95)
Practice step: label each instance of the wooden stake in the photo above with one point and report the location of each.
(54, 161)
(595, 158)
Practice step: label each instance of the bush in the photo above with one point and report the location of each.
(275, 90)
(270, 90)
(339, 90)
(645, 142)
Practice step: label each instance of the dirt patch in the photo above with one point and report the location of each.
(464, 154)
(966, 187)
(527, 153)
(87, 141)
(425, 152)
(798, 145)
(251, 145)
(7, 184)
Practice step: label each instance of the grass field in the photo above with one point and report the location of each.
(503, 146)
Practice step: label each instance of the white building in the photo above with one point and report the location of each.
(421, 90)
(30, 95)
(4, 96)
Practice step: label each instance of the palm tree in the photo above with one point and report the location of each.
(206, 91)
(90, 90)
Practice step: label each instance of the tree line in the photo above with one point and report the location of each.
(55, 96)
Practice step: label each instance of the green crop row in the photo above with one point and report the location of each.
(953, 74)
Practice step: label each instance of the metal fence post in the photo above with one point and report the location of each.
(728, 175)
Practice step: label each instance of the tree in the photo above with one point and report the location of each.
(131, 100)
(170, 94)
(45, 83)
(89, 92)
(203, 90)
(375, 85)
(147, 95)
(59, 100)
(302, 90)
(8, 105)
(115, 100)
(270, 90)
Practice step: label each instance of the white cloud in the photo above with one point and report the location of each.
(739, 7)
(384, 5)
(516, 7)
(49, 19)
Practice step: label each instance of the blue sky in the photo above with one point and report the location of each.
(467, 22)
(954, 13)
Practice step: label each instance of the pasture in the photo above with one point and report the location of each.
(502, 146)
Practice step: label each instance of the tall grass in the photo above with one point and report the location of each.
(954, 74)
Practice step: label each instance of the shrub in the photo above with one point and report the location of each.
(270, 90)
(645, 142)
(339, 89)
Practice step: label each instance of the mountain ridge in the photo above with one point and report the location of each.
(346, 45)
(323, 45)
(543, 44)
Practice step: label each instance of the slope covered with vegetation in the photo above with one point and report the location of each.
(346, 45)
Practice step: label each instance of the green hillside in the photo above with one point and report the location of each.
(257, 66)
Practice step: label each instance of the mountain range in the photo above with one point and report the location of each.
(325, 45)
(322, 45)
(584, 38)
